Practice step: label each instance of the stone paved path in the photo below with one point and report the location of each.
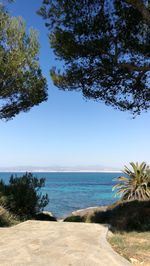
(57, 244)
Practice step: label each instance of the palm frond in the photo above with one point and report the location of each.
(136, 183)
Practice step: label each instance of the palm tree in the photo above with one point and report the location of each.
(135, 185)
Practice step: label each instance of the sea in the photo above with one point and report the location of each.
(70, 191)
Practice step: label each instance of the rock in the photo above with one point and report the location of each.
(84, 215)
(134, 261)
(45, 216)
(89, 210)
(110, 234)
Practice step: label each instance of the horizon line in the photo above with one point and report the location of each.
(61, 171)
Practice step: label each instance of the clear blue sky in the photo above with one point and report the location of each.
(67, 130)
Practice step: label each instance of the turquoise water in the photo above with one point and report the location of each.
(72, 191)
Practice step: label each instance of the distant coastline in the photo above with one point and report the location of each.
(57, 171)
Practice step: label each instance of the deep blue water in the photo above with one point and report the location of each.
(72, 191)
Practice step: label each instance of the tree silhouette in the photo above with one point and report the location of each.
(105, 49)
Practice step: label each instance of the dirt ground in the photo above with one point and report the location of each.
(134, 246)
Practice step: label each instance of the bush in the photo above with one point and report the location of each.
(45, 216)
(121, 216)
(6, 218)
(126, 216)
(22, 195)
(75, 218)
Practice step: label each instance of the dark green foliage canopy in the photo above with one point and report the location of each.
(105, 47)
(22, 195)
(22, 85)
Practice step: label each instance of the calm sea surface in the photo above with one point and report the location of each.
(72, 191)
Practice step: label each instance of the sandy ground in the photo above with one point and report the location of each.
(57, 244)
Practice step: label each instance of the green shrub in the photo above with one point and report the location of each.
(45, 217)
(6, 218)
(100, 217)
(125, 216)
(22, 195)
(75, 218)
(121, 216)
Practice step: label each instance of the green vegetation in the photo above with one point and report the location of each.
(126, 214)
(105, 48)
(45, 216)
(22, 196)
(75, 218)
(136, 184)
(7, 218)
(22, 85)
(134, 247)
(121, 216)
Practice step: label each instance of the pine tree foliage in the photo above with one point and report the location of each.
(105, 48)
(22, 84)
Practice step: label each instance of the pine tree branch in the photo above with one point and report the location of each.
(133, 67)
